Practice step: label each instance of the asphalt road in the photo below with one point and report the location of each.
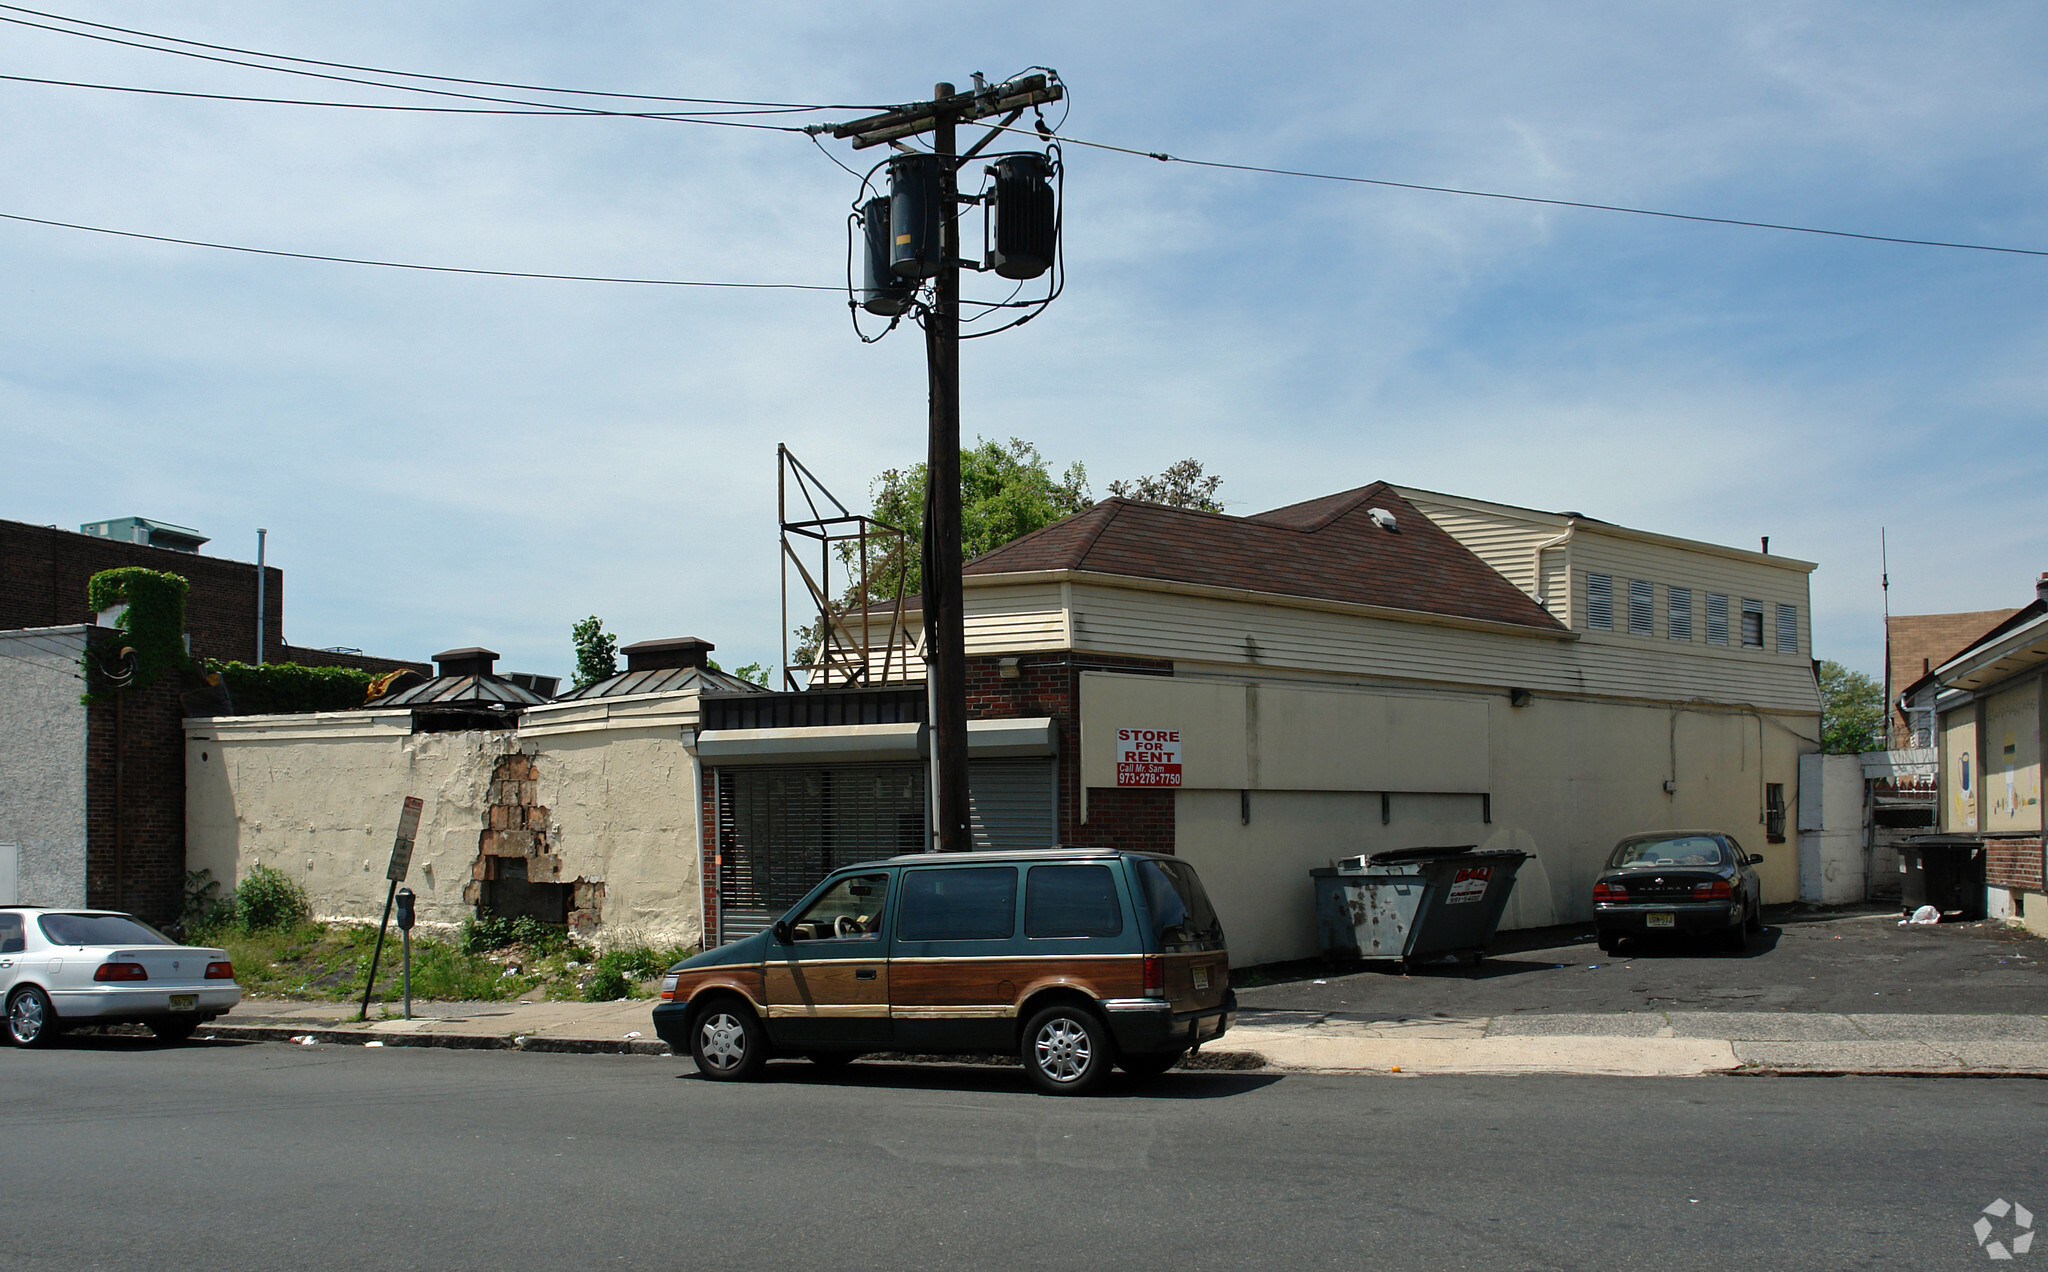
(119, 1153)
(1826, 961)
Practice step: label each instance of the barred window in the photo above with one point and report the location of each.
(1678, 615)
(1600, 602)
(1788, 629)
(1717, 618)
(1752, 624)
(1639, 611)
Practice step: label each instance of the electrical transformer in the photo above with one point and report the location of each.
(914, 212)
(882, 293)
(1026, 221)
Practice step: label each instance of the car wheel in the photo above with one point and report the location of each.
(728, 1043)
(1067, 1050)
(173, 1030)
(1756, 919)
(1149, 1064)
(31, 1021)
(1735, 939)
(1609, 942)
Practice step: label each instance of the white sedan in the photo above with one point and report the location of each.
(60, 968)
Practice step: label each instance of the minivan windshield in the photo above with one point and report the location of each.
(1179, 909)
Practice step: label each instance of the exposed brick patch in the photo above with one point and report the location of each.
(1049, 685)
(135, 803)
(2014, 863)
(517, 825)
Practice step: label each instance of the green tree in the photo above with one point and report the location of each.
(1005, 492)
(1851, 710)
(1182, 485)
(597, 651)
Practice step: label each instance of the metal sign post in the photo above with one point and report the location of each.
(401, 861)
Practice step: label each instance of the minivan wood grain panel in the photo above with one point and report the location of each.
(929, 987)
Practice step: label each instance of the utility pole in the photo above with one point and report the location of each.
(944, 621)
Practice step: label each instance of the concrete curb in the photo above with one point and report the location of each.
(448, 1041)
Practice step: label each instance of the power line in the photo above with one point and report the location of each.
(1163, 157)
(558, 112)
(375, 70)
(431, 269)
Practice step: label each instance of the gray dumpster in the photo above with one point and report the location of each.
(1414, 904)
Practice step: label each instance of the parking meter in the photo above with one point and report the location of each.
(404, 898)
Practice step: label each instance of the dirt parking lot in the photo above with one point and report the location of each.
(1820, 961)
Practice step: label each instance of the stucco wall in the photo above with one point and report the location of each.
(1566, 779)
(43, 762)
(319, 797)
(1833, 862)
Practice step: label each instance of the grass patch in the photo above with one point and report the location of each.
(329, 961)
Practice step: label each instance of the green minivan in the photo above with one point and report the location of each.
(1074, 959)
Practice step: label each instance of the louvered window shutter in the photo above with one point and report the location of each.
(1600, 602)
(1640, 621)
(1717, 618)
(1679, 615)
(1788, 629)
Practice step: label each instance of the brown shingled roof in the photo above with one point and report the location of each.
(1327, 549)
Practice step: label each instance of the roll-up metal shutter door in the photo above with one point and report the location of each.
(1010, 803)
(783, 828)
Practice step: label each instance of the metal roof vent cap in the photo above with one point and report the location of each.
(1383, 519)
(473, 661)
(665, 655)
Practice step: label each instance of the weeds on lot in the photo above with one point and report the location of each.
(483, 963)
(625, 972)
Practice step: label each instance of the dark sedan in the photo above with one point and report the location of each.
(1694, 881)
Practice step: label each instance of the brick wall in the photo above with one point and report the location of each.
(1050, 685)
(43, 571)
(2013, 863)
(135, 803)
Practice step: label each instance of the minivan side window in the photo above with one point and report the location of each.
(974, 904)
(1071, 901)
(1180, 909)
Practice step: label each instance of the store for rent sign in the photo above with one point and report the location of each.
(1148, 757)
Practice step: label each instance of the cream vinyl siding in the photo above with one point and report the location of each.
(1109, 620)
(1593, 551)
(1014, 619)
(1507, 544)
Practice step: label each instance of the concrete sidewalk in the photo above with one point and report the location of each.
(1644, 1044)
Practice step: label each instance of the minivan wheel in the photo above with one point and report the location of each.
(728, 1043)
(31, 1021)
(1067, 1050)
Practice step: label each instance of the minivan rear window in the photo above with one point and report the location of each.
(1180, 909)
(974, 904)
(1071, 901)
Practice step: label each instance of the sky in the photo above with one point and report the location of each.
(443, 460)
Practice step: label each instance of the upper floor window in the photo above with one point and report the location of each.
(1639, 603)
(1752, 624)
(1678, 614)
(1788, 629)
(1600, 602)
(1717, 618)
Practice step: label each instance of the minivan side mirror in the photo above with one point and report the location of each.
(782, 932)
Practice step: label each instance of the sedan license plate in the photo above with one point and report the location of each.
(184, 1002)
(1201, 978)
(1660, 920)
